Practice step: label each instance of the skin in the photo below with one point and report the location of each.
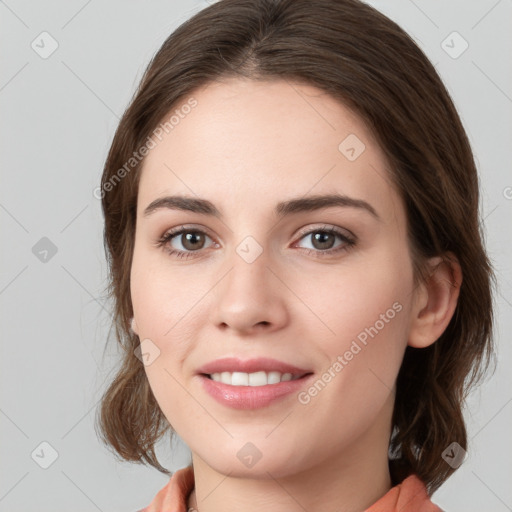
(245, 147)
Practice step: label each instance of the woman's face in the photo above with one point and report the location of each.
(260, 277)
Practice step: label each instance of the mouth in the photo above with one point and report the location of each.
(251, 391)
(255, 379)
(253, 383)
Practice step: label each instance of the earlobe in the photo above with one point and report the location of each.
(435, 301)
(134, 326)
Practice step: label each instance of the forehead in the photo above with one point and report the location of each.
(263, 141)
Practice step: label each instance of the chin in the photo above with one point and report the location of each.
(260, 470)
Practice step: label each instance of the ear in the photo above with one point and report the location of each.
(134, 326)
(435, 301)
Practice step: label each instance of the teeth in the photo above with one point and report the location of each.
(252, 379)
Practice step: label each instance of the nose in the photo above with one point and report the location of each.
(250, 297)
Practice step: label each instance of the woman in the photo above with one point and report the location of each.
(300, 284)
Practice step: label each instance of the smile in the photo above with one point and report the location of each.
(252, 379)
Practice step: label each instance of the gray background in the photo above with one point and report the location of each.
(58, 118)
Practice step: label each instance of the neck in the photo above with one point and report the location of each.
(351, 480)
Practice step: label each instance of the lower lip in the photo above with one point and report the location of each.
(251, 397)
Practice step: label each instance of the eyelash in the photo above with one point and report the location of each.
(349, 242)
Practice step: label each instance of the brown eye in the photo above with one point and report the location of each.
(183, 242)
(323, 240)
(192, 240)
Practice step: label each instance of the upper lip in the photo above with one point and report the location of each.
(233, 364)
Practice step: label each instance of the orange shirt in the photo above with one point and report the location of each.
(408, 496)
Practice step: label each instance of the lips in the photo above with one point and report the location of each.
(257, 394)
(248, 397)
(233, 364)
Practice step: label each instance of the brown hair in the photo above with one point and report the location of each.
(367, 62)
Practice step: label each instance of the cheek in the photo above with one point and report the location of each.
(355, 387)
(167, 304)
(163, 305)
(163, 300)
(366, 310)
(370, 296)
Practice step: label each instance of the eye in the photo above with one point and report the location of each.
(183, 242)
(323, 240)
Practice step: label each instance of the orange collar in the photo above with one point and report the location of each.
(408, 496)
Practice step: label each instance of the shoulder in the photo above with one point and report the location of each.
(413, 492)
(174, 495)
(409, 495)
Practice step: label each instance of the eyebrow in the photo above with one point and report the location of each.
(284, 208)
